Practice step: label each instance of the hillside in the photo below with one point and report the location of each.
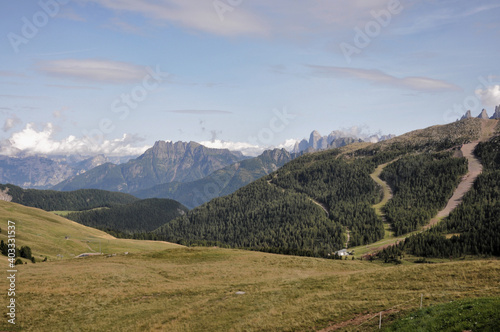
(473, 228)
(55, 237)
(165, 162)
(307, 206)
(222, 182)
(138, 217)
(51, 200)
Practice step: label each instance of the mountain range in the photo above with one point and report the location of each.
(335, 139)
(165, 162)
(483, 115)
(43, 172)
(221, 182)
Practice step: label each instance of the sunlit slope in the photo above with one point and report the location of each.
(196, 289)
(50, 235)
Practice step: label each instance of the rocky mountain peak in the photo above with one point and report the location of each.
(467, 115)
(496, 115)
(483, 115)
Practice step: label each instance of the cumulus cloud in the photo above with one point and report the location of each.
(96, 70)
(489, 96)
(246, 149)
(30, 140)
(288, 144)
(423, 84)
(11, 123)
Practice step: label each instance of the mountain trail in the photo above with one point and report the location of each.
(387, 194)
(475, 168)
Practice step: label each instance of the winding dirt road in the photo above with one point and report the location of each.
(475, 168)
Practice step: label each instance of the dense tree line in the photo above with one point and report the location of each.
(262, 217)
(474, 226)
(50, 200)
(138, 217)
(24, 251)
(343, 186)
(422, 184)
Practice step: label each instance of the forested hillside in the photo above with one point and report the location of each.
(308, 205)
(342, 186)
(474, 226)
(50, 200)
(422, 185)
(137, 217)
(259, 216)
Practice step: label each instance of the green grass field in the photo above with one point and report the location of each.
(464, 315)
(164, 287)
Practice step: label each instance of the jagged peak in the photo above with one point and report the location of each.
(496, 114)
(467, 115)
(483, 115)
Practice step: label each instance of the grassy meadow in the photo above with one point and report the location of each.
(194, 289)
(165, 287)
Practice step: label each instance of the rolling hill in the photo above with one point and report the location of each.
(55, 237)
(51, 200)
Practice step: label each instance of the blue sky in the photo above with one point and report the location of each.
(103, 76)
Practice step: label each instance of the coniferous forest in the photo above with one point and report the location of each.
(78, 200)
(128, 219)
(422, 185)
(473, 227)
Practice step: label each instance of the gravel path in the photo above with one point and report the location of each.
(475, 168)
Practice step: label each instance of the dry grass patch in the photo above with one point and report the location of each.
(195, 290)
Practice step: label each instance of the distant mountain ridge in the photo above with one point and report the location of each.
(222, 182)
(43, 172)
(336, 139)
(165, 162)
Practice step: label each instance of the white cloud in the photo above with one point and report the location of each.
(443, 16)
(246, 149)
(256, 17)
(288, 144)
(11, 123)
(489, 96)
(424, 84)
(96, 70)
(197, 15)
(33, 141)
